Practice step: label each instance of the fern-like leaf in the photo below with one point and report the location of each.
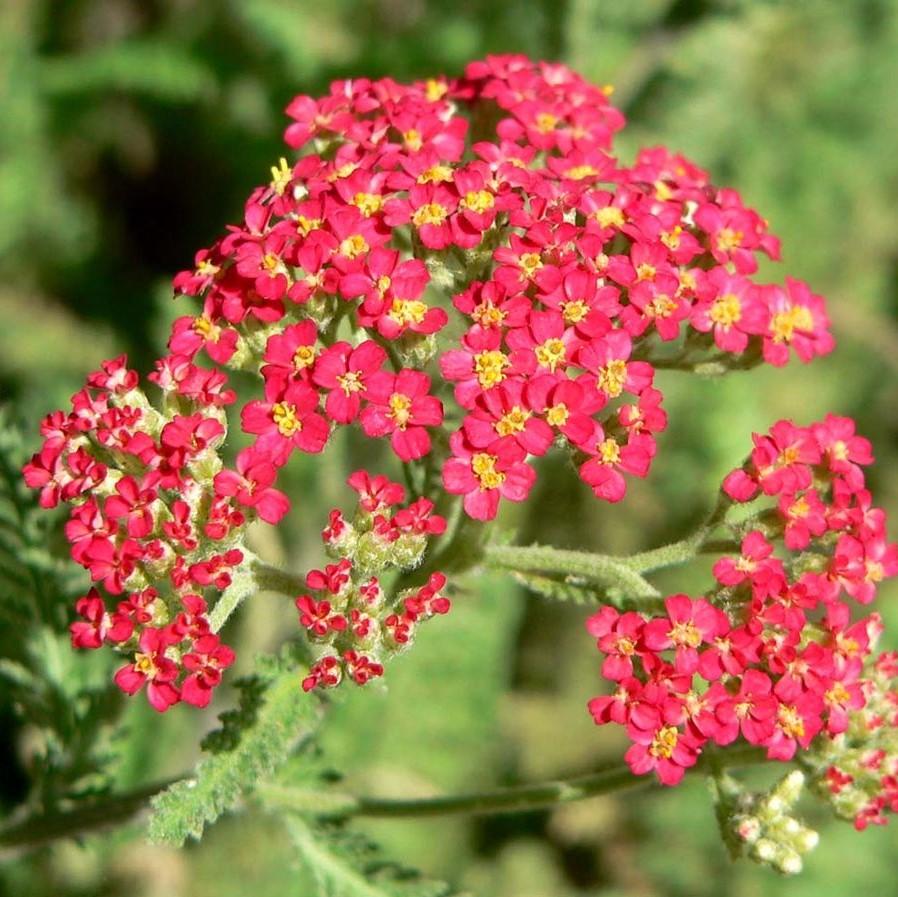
(346, 864)
(285, 717)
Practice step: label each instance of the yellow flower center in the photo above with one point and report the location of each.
(413, 140)
(579, 172)
(799, 508)
(610, 216)
(839, 451)
(435, 90)
(664, 742)
(384, 282)
(790, 721)
(512, 421)
(430, 213)
(305, 226)
(646, 272)
(281, 175)
(612, 377)
(490, 368)
(407, 311)
(726, 310)
(661, 306)
(143, 663)
(875, 571)
(351, 382)
(609, 451)
(478, 201)
(546, 122)
(530, 263)
(436, 174)
(838, 694)
(551, 354)
(206, 329)
(303, 357)
(354, 246)
(671, 238)
(206, 269)
(483, 466)
(368, 203)
(574, 311)
(400, 409)
(685, 633)
(557, 415)
(487, 315)
(272, 264)
(284, 415)
(729, 239)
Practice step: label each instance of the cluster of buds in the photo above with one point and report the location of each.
(762, 827)
(857, 772)
(347, 614)
(153, 521)
(771, 653)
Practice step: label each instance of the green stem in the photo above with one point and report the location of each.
(254, 575)
(38, 830)
(601, 569)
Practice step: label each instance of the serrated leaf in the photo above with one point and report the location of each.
(346, 864)
(286, 717)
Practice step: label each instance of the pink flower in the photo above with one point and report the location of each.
(151, 667)
(689, 624)
(400, 405)
(485, 475)
(343, 371)
(252, 486)
(204, 663)
(288, 419)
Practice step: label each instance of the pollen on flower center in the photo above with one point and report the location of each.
(726, 310)
(487, 315)
(272, 264)
(609, 451)
(281, 175)
(206, 269)
(574, 311)
(557, 415)
(436, 174)
(530, 263)
(400, 409)
(546, 122)
(612, 377)
(551, 354)
(838, 694)
(284, 415)
(664, 742)
(685, 633)
(303, 357)
(490, 368)
(430, 213)
(305, 226)
(206, 329)
(407, 311)
(368, 203)
(579, 172)
(729, 239)
(351, 382)
(646, 272)
(478, 201)
(513, 421)
(790, 721)
(413, 140)
(799, 508)
(483, 466)
(384, 282)
(610, 216)
(353, 246)
(143, 663)
(671, 239)
(661, 306)
(625, 646)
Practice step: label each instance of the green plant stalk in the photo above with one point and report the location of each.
(36, 831)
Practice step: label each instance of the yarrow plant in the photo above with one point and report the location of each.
(463, 269)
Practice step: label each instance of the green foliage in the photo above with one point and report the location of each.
(66, 698)
(346, 864)
(285, 718)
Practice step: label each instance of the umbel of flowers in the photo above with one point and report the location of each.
(460, 267)
(773, 653)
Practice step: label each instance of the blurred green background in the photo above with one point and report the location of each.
(131, 131)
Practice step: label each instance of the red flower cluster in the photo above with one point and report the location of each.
(567, 267)
(349, 615)
(773, 648)
(153, 518)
